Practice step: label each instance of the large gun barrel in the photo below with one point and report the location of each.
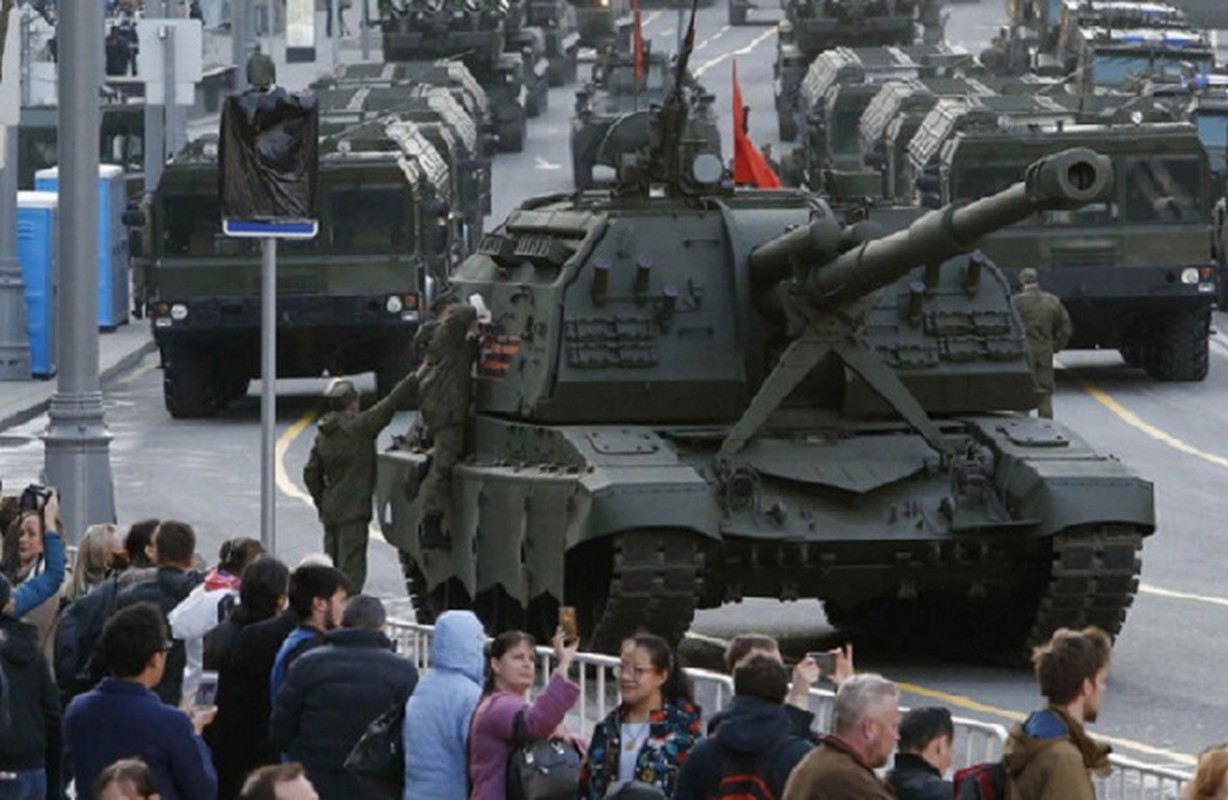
(1067, 180)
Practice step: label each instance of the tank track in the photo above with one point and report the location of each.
(1093, 580)
(656, 582)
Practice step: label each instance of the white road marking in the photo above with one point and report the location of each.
(1147, 588)
(541, 163)
(741, 51)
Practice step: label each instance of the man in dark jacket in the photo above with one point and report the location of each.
(334, 692)
(123, 718)
(340, 472)
(753, 745)
(234, 734)
(924, 755)
(30, 741)
(175, 552)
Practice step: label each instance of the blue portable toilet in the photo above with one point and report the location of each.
(37, 245)
(112, 240)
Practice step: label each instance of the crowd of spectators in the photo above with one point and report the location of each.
(300, 669)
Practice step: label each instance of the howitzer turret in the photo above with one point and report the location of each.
(832, 273)
(649, 436)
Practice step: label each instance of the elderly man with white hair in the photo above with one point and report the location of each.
(866, 727)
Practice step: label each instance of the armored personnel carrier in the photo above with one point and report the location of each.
(687, 395)
(613, 92)
(812, 26)
(472, 32)
(349, 300)
(1133, 271)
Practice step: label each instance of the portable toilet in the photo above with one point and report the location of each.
(112, 240)
(37, 246)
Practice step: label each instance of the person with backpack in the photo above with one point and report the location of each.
(648, 737)
(29, 712)
(927, 736)
(866, 727)
(1049, 755)
(503, 717)
(754, 748)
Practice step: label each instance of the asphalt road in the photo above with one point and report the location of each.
(1165, 699)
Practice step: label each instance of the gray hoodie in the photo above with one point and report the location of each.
(437, 714)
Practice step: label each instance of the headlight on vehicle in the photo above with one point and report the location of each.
(179, 312)
(393, 304)
(1189, 275)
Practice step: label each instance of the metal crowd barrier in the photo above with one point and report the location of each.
(975, 741)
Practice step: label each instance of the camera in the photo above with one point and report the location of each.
(34, 497)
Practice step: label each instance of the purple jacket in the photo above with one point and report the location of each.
(490, 742)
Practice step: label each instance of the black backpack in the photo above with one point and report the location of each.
(983, 781)
(742, 777)
(76, 639)
(378, 758)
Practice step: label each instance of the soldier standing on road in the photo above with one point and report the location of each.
(446, 388)
(1048, 329)
(340, 473)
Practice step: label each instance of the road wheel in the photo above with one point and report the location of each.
(635, 580)
(189, 387)
(1180, 351)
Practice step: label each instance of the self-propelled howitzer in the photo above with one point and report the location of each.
(685, 398)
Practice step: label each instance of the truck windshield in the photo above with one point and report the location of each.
(370, 220)
(1164, 190)
(1115, 69)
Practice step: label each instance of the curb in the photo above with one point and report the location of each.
(124, 363)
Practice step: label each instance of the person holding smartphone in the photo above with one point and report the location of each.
(35, 561)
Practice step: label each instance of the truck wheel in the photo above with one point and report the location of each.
(1180, 352)
(189, 388)
(786, 126)
(511, 137)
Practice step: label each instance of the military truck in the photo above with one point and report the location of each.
(443, 122)
(1133, 271)
(613, 91)
(474, 32)
(603, 23)
(688, 395)
(348, 300)
(812, 26)
(556, 19)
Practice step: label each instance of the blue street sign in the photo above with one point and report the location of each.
(271, 229)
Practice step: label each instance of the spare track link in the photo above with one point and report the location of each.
(1093, 581)
(655, 585)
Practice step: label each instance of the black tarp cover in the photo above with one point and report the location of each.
(269, 155)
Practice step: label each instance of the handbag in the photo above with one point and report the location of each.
(378, 757)
(541, 769)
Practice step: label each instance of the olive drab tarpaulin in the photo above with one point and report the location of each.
(269, 155)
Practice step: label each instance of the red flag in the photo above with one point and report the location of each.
(749, 165)
(639, 43)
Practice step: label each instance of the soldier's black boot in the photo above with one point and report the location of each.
(432, 533)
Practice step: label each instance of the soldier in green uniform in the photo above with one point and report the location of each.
(445, 392)
(340, 472)
(1047, 326)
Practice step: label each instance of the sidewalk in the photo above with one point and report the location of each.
(118, 351)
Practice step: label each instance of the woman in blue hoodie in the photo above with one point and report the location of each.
(438, 713)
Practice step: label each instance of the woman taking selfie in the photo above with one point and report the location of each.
(648, 736)
(511, 666)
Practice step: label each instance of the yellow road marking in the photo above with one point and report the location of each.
(1134, 421)
(1147, 588)
(287, 484)
(741, 51)
(968, 704)
(136, 373)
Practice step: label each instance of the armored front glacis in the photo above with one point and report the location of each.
(688, 395)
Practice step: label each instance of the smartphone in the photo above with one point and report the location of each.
(206, 690)
(567, 621)
(826, 660)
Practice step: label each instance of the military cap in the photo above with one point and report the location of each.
(1027, 275)
(341, 393)
(261, 71)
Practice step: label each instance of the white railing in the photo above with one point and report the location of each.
(975, 741)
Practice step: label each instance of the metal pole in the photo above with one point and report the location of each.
(175, 133)
(268, 394)
(15, 359)
(155, 119)
(77, 442)
(364, 36)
